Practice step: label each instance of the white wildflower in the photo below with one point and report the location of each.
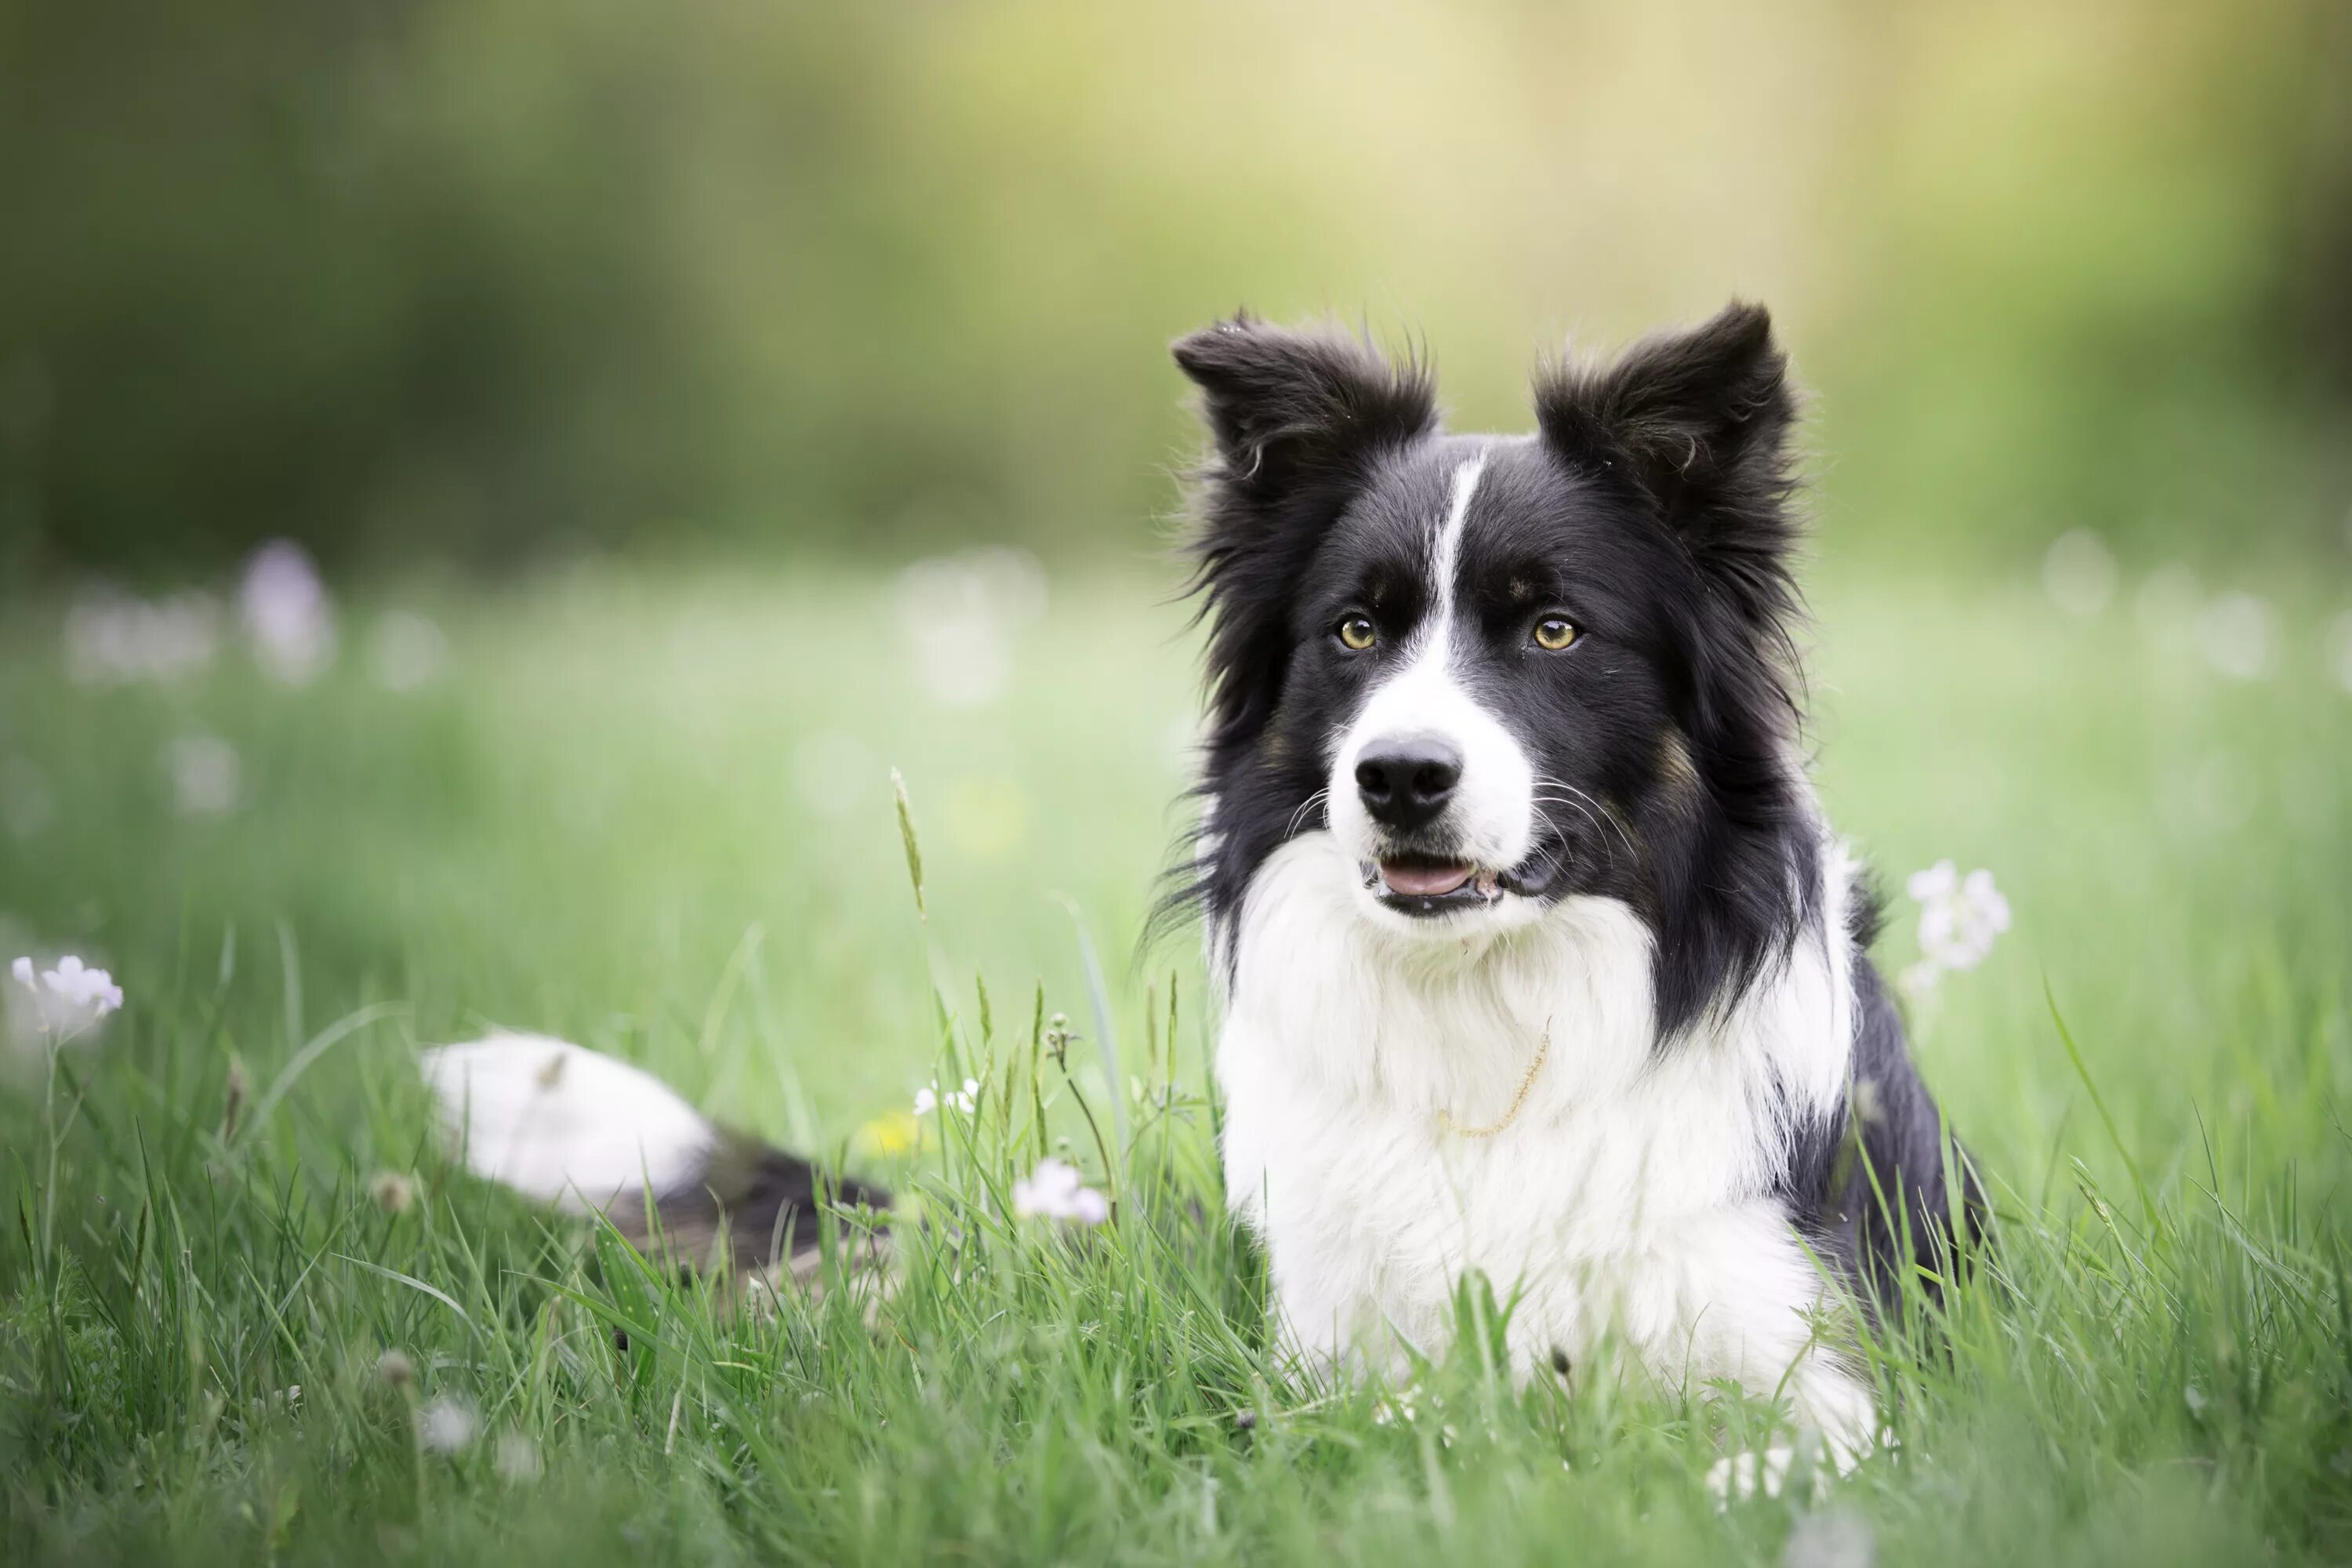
(446, 1426)
(1055, 1190)
(406, 651)
(2239, 634)
(112, 637)
(204, 774)
(1937, 882)
(2079, 573)
(1960, 918)
(60, 1004)
(1918, 979)
(518, 1458)
(287, 613)
(930, 1099)
(81, 988)
(394, 1191)
(396, 1370)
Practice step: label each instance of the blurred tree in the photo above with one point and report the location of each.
(2104, 242)
(485, 279)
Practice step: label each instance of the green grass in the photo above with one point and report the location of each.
(599, 823)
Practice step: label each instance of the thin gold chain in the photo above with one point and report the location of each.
(1445, 1123)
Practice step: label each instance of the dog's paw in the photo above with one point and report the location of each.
(1736, 1477)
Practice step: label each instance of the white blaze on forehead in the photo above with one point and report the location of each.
(1446, 555)
(1492, 818)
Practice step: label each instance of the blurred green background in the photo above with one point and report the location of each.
(486, 282)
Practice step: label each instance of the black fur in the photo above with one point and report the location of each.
(1869, 1186)
(751, 1208)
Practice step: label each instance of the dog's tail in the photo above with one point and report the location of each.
(587, 1134)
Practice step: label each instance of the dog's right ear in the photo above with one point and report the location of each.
(1286, 407)
(1297, 420)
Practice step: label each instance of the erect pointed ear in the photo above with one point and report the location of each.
(1289, 407)
(1297, 420)
(1698, 420)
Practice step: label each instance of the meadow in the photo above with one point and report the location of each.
(249, 1311)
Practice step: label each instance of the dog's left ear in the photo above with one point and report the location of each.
(1698, 421)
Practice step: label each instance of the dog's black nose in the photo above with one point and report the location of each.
(1406, 780)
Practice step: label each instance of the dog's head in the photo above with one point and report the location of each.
(1503, 671)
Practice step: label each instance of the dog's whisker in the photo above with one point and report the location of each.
(1320, 797)
(1547, 782)
(1600, 833)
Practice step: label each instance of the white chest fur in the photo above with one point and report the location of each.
(1627, 1198)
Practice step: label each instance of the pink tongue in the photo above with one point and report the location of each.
(1424, 881)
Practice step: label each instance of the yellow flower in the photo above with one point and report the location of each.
(892, 1133)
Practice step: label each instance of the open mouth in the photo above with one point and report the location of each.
(1426, 885)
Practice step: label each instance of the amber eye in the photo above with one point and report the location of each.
(1356, 633)
(1553, 633)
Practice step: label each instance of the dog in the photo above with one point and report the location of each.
(1536, 955)
(1536, 958)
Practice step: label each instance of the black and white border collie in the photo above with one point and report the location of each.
(1536, 955)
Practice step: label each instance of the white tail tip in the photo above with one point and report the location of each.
(561, 1123)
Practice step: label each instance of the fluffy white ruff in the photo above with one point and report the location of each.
(1627, 1205)
(561, 1123)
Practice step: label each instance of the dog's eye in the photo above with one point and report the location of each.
(1554, 633)
(1357, 633)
